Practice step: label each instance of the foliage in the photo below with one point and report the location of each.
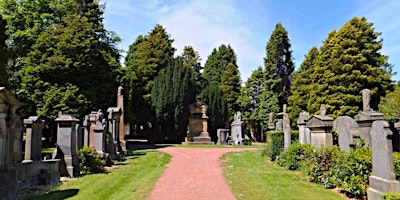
(146, 57)
(391, 196)
(390, 105)
(3, 54)
(172, 92)
(349, 61)
(75, 55)
(268, 104)
(250, 177)
(278, 64)
(296, 157)
(396, 163)
(217, 62)
(247, 142)
(276, 144)
(301, 86)
(230, 86)
(191, 58)
(90, 161)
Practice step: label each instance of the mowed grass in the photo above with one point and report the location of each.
(251, 176)
(132, 179)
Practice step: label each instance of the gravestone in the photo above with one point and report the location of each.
(271, 125)
(66, 145)
(236, 129)
(92, 124)
(279, 125)
(344, 126)
(33, 144)
(222, 135)
(383, 178)
(320, 129)
(366, 117)
(198, 128)
(285, 127)
(86, 129)
(121, 131)
(304, 132)
(99, 134)
(114, 145)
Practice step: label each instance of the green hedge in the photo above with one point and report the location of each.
(391, 196)
(275, 142)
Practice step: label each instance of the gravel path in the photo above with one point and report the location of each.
(193, 173)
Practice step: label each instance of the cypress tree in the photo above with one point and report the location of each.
(217, 62)
(230, 86)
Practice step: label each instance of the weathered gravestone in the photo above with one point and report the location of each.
(285, 127)
(99, 133)
(121, 131)
(320, 129)
(367, 117)
(66, 145)
(86, 129)
(344, 126)
(198, 129)
(304, 132)
(33, 144)
(383, 178)
(222, 135)
(114, 143)
(236, 128)
(92, 123)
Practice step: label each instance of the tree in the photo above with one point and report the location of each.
(71, 59)
(172, 92)
(350, 61)
(3, 54)
(301, 85)
(230, 86)
(191, 58)
(217, 62)
(217, 109)
(278, 64)
(390, 105)
(147, 56)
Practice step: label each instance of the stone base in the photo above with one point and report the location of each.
(378, 186)
(203, 138)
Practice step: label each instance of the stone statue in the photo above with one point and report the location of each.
(323, 110)
(366, 98)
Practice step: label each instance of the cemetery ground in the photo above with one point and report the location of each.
(248, 174)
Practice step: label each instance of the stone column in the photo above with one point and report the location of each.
(120, 104)
(33, 145)
(92, 123)
(66, 145)
(383, 178)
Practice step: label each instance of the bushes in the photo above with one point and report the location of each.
(275, 142)
(296, 157)
(90, 161)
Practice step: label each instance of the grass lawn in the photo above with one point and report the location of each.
(251, 176)
(132, 179)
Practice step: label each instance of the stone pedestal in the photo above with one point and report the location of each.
(33, 145)
(320, 130)
(198, 128)
(66, 145)
(383, 178)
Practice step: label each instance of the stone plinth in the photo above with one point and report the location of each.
(320, 131)
(33, 145)
(66, 145)
(198, 128)
(304, 132)
(383, 178)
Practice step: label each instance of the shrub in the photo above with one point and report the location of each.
(396, 162)
(90, 161)
(276, 144)
(294, 136)
(391, 196)
(247, 142)
(296, 157)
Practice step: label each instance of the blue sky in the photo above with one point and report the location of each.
(246, 25)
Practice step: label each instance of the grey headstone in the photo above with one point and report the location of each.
(33, 144)
(343, 126)
(286, 131)
(301, 123)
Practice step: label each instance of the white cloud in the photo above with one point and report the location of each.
(206, 25)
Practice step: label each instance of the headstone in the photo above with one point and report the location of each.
(344, 126)
(122, 133)
(66, 145)
(86, 129)
(271, 125)
(99, 137)
(383, 178)
(285, 127)
(114, 114)
(222, 135)
(236, 129)
(304, 132)
(92, 124)
(367, 117)
(33, 145)
(320, 129)
(198, 128)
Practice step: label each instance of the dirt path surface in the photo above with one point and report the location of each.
(194, 174)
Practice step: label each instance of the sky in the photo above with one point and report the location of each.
(246, 25)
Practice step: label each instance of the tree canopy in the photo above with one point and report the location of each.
(217, 62)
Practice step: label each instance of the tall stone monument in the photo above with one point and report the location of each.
(120, 104)
(285, 127)
(66, 145)
(197, 128)
(236, 128)
(320, 129)
(383, 178)
(367, 117)
(114, 115)
(304, 132)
